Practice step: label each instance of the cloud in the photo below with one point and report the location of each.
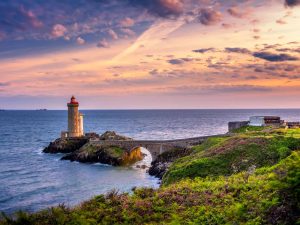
(48, 20)
(31, 17)
(238, 50)
(80, 41)
(127, 22)
(252, 77)
(176, 61)
(58, 30)
(245, 88)
(128, 32)
(235, 12)
(274, 57)
(180, 61)
(280, 21)
(210, 89)
(209, 17)
(292, 3)
(288, 50)
(113, 34)
(162, 8)
(103, 44)
(15, 17)
(4, 84)
(226, 25)
(203, 50)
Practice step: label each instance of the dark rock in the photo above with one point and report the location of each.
(162, 163)
(95, 154)
(143, 166)
(66, 145)
(158, 169)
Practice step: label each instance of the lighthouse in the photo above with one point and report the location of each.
(75, 120)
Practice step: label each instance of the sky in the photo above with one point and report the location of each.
(150, 54)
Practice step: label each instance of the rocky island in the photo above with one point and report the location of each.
(86, 150)
(91, 147)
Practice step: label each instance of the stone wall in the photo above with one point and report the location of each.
(236, 125)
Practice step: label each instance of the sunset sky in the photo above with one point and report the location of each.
(135, 54)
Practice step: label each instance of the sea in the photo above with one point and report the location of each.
(31, 180)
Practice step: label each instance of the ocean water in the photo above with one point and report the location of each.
(31, 180)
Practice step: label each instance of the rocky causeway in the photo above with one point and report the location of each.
(89, 149)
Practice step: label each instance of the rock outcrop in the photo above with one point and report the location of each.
(97, 153)
(85, 151)
(160, 166)
(66, 145)
(113, 136)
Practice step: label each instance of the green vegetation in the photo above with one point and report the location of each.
(242, 179)
(115, 151)
(225, 156)
(248, 129)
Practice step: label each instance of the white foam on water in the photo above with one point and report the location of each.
(146, 160)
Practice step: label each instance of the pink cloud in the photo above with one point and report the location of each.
(32, 18)
(128, 32)
(113, 34)
(58, 30)
(127, 22)
(236, 12)
(227, 25)
(80, 41)
(103, 44)
(280, 21)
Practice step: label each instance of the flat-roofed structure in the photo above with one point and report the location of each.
(260, 121)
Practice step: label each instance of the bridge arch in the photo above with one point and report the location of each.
(155, 147)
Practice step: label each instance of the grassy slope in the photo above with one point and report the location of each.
(225, 156)
(219, 193)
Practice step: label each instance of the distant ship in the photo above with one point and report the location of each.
(41, 109)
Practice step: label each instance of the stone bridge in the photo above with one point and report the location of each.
(155, 147)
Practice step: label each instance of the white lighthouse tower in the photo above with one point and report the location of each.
(75, 120)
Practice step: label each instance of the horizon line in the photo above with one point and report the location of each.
(137, 109)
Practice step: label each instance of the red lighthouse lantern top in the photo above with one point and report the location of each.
(73, 100)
